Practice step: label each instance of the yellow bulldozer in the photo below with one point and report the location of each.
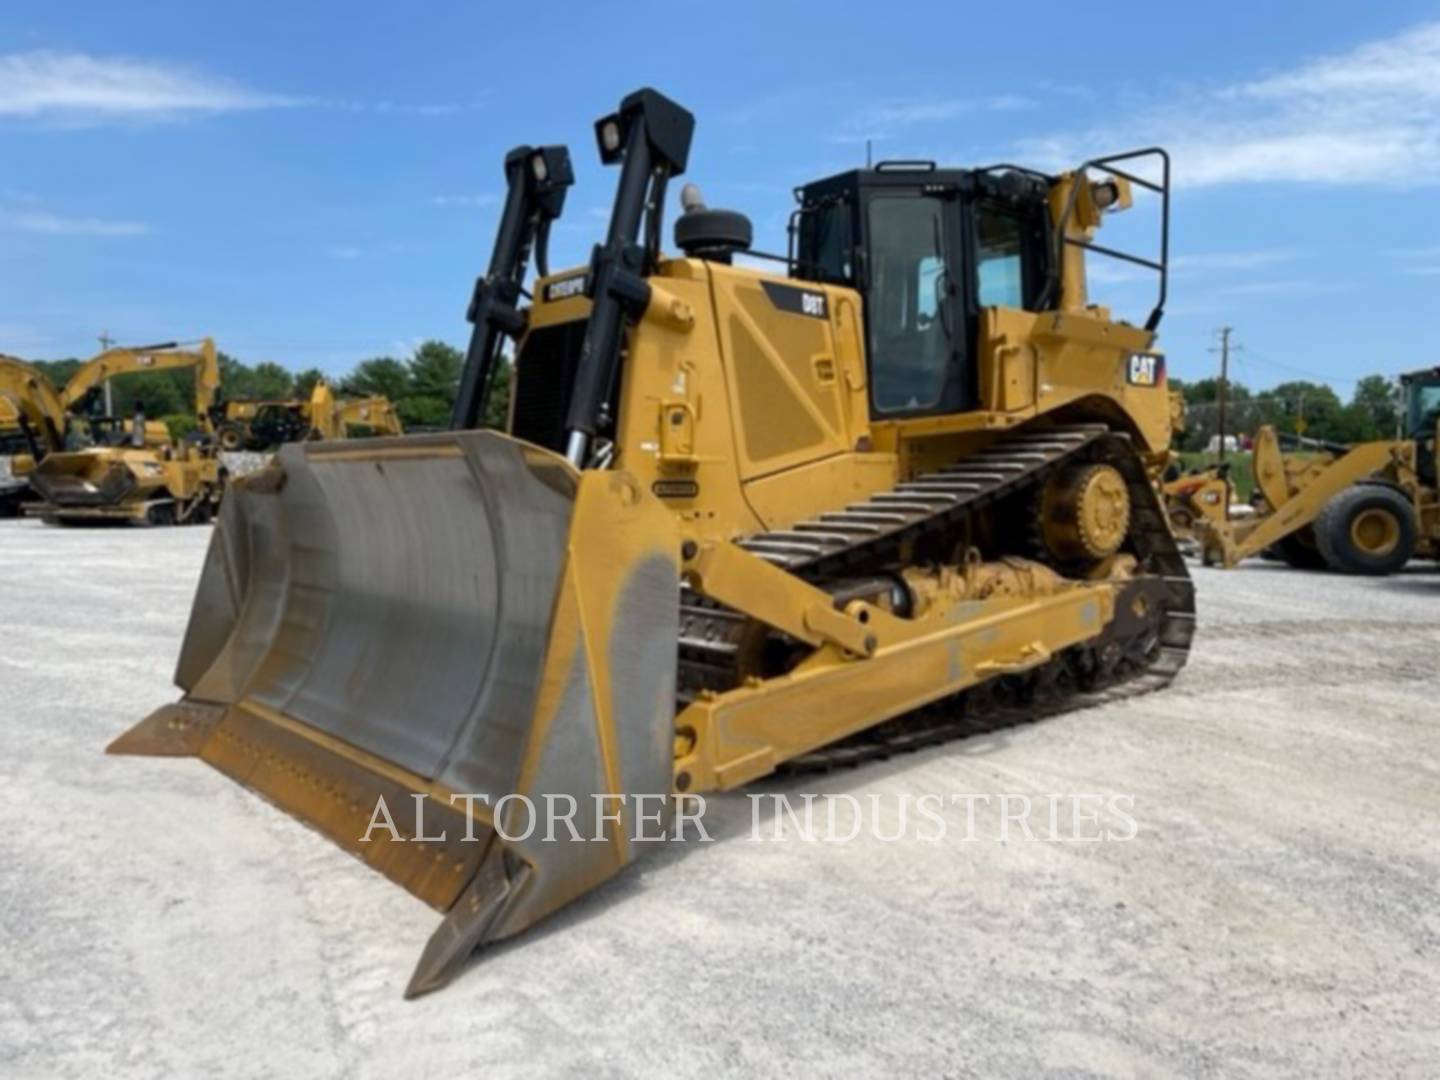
(261, 425)
(135, 473)
(1363, 509)
(899, 489)
(32, 425)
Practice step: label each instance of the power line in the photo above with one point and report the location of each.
(1292, 369)
(1244, 362)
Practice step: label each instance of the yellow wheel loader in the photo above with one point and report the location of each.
(897, 490)
(1363, 509)
(137, 474)
(32, 425)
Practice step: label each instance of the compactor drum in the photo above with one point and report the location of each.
(741, 521)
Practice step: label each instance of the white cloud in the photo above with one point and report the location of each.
(76, 86)
(1282, 287)
(41, 221)
(483, 199)
(399, 108)
(1424, 271)
(1231, 260)
(437, 109)
(883, 120)
(1367, 116)
(1403, 66)
(346, 252)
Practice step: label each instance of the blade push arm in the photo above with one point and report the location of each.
(536, 182)
(650, 137)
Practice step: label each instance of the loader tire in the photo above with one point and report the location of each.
(1366, 529)
(160, 513)
(1300, 550)
(231, 437)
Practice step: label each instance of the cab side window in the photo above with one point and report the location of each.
(999, 257)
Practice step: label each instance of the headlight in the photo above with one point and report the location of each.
(610, 135)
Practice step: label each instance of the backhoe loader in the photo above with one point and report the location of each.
(32, 425)
(1363, 509)
(244, 424)
(136, 474)
(340, 418)
(897, 490)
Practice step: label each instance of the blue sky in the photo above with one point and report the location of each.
(317, 183)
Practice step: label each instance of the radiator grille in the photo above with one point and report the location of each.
(544, 376)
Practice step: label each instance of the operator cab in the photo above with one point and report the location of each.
(1422, 412)
(927, 248)
(1422, 402)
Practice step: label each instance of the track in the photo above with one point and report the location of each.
(1134, 656)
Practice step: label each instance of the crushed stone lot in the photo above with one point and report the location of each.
(1275, 913)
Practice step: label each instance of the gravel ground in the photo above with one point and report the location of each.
(1275, 913)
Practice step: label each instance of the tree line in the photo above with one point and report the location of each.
(1300, 407)
(422, 387)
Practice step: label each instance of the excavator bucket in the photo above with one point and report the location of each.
(454, 655)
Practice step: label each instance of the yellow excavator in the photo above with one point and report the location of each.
(899, 489)
(1367, 508)
(135, 473)
(32, 425)
(254, 424)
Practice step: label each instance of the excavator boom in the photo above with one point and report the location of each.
(169, 356)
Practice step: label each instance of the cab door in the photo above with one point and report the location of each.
(916, 321)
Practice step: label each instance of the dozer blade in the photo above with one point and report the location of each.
(429, 618)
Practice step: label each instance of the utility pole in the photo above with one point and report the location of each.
(1222, 390)
(105, 342)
